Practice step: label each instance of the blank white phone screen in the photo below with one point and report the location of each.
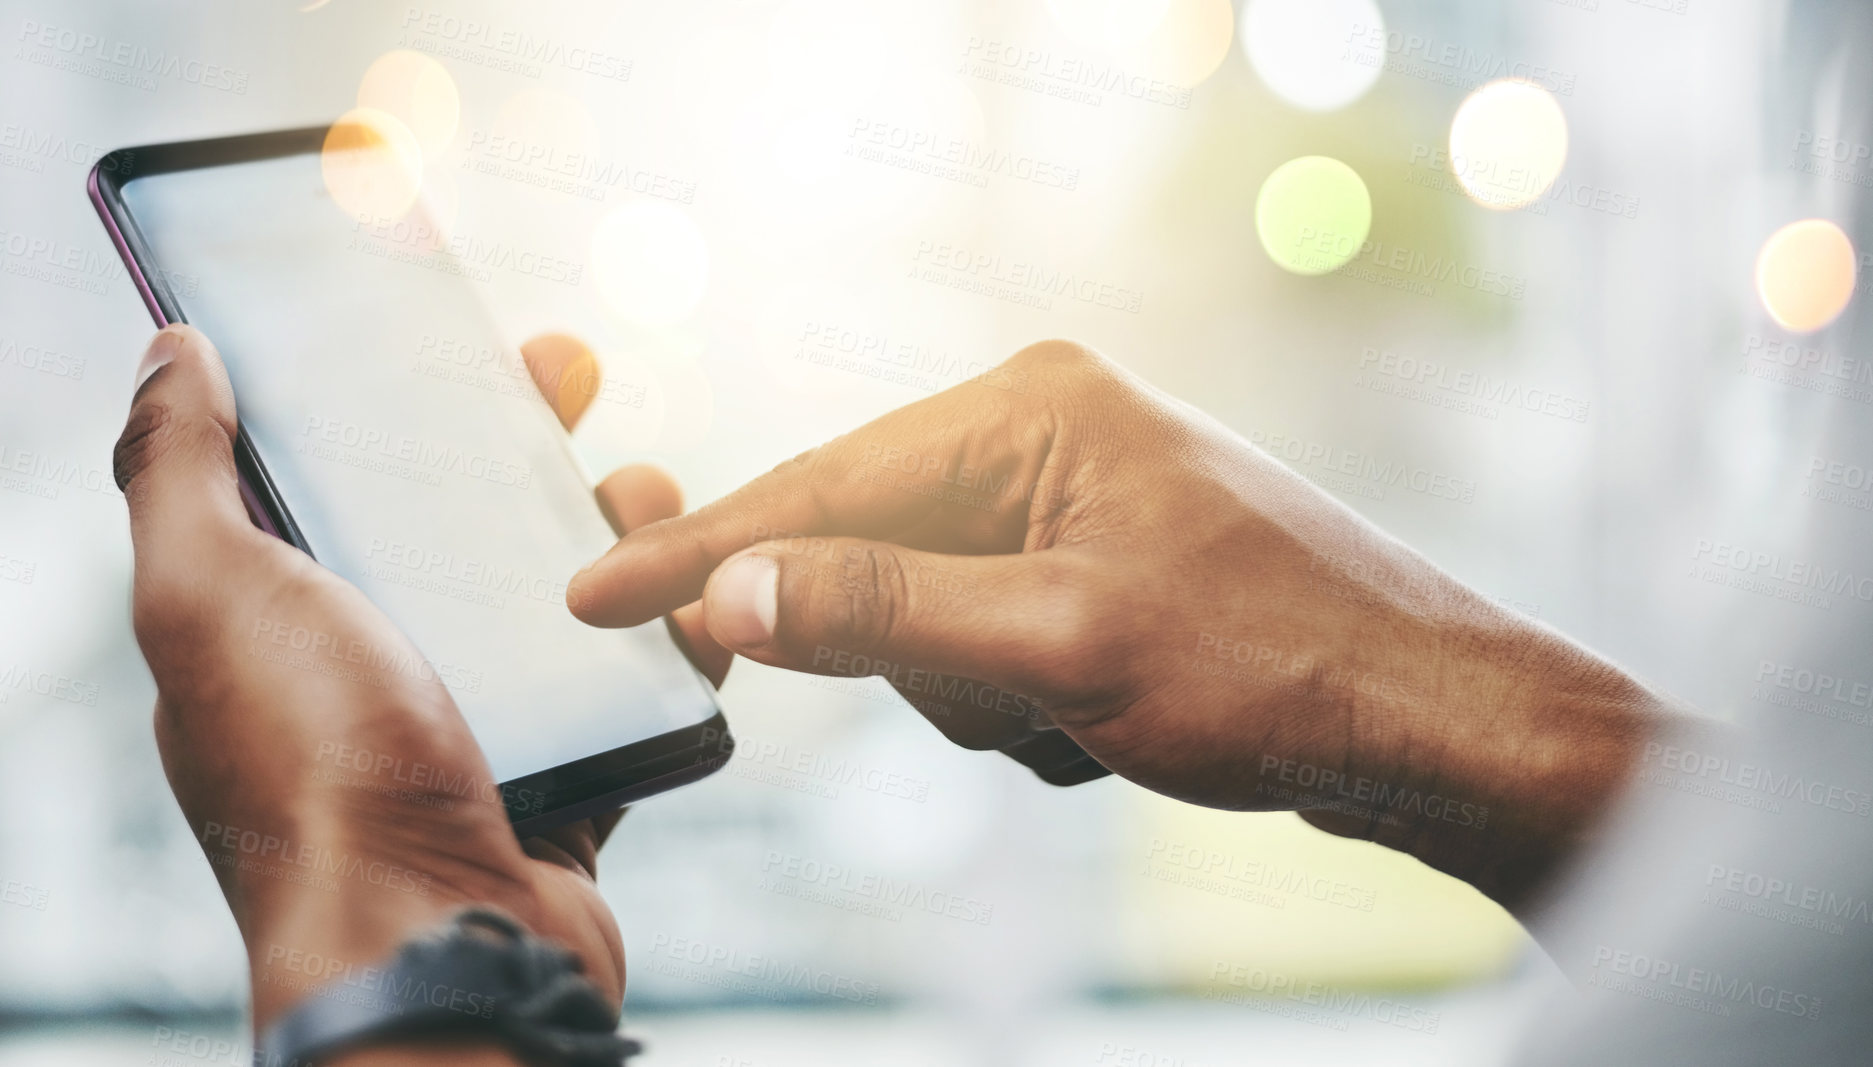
(417, 457)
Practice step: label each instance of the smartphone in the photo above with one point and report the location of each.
(390, 431)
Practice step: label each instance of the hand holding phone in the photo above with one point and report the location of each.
(388, 430)
(342, 802)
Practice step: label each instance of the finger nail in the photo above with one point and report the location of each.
(744, 600)
(162, 349)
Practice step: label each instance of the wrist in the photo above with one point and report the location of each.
(332, 931)
(329, 947)
(1531, 739)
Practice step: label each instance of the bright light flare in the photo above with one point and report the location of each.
(1805, 274)
(1319, 55)
(418, 91)
(1508, 143)
(372, 164)
(1190, 42)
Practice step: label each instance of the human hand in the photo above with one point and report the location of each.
(1057, 544)
(325, 877)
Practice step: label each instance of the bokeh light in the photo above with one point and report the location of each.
(372, 164)
(1319, 55)
(1805, 274)
(418, 91)
(650, 263)
(1313, 215)
(1190, 41)
(1508, 143)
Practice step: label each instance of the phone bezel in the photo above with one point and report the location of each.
(588, 786)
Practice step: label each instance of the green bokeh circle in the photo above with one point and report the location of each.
(1312, 215)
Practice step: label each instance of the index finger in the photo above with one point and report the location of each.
(956, 458)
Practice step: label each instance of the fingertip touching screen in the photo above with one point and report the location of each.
(417, 458)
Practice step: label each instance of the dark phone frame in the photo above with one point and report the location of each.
(588, 786)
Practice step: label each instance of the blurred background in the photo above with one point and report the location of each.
(1543, 264)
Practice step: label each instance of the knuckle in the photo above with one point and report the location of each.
(139, 442)
(1084, 642)
(1058, 353)
(155, 431)
(860, 606)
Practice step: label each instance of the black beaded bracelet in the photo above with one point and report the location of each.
(481, 974)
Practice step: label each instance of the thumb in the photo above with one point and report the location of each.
(850, 607)
(175, 465)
